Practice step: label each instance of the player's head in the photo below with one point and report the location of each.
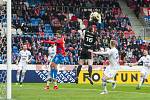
(90, 29)
(58, 34)
(24, 47)
(53, 44)
(145, 52)
(112, 43)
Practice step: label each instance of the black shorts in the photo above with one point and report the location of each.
(85, 54)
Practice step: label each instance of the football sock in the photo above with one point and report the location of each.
(90, 70)
(78, 70)
(22, 77)
(104, 84)
(141, 81)
(18, 74)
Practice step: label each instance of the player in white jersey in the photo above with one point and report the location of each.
(52, 53)
(23, 59)
(145, 60)
(111, 70)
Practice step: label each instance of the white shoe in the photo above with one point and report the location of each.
(114, 85)
(20, 85)
(104, 92)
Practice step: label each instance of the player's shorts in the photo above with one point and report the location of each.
(145, 72)
(22, 66)
(50, 58)
(59, 59)
(85, 54)
(110, 72)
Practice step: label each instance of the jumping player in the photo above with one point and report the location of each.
(58, 59)
(145, 60)
(23, 59)
(89, 40)
(110, 71)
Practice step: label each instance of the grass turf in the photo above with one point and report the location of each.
(35, 91)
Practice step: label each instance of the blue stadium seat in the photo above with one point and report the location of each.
(34, 22)
(21, 20)
(47, 31)
(42, 12)
(47, 27)
(15, 49)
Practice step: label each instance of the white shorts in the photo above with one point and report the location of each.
(110, 72)
(22, 66)
(50, 58)
(145, 72)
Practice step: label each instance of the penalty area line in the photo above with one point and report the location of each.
(101, 90)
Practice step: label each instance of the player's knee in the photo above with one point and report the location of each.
(142, 74)
(18, 71)
(79, 67)
(104, 79)
(23, 73)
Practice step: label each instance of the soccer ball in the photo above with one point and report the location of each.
(95, 17)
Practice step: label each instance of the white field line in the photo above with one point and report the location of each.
(83, 89)
(101, 90)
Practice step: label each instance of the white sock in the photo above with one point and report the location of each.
(104, 86)
(141, 81)
(55, 83)
(58, 68)
(18, 74)
(22, 78)
(47, 84)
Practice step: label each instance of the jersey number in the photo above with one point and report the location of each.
(88, 39)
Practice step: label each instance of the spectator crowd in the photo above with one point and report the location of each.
(36, 20)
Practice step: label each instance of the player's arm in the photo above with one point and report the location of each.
(18, 58)
(107, 53)
(30, 57)
(55, 49)
(148, 63)
(134, 64)
(82, 34)
(91, 15)
(48, 41)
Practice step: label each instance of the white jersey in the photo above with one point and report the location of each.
(24, 56)
(113, 56)
(52, 51)
(145, 70)
(145, 60)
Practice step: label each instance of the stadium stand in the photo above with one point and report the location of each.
(35, 20)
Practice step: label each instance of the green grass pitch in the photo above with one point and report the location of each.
(35, 91)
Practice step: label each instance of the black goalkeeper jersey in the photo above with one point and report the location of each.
(89, 40)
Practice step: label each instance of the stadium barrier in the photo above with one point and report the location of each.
(122, 77)
(67, 73)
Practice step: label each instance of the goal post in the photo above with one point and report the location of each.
(9, 49)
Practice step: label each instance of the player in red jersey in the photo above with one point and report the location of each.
(59, 57)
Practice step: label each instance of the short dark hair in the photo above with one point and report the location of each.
(90, 28)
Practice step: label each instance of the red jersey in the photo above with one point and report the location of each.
(60, 45)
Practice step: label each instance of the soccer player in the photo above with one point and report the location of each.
(145, 60)
(111, 70)
(52, 53)
(89, 40)
(23, 59)
(59, 57)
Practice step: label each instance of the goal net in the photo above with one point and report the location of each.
(3, 51)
